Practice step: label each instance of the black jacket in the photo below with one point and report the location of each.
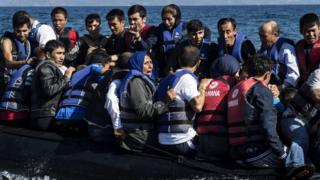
(116, 44)
(47, 86)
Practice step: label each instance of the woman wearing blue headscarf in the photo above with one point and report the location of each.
(137, 107)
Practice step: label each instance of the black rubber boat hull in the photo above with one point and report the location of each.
(33, 153)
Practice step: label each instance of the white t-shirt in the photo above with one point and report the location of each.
(314, 79)
(186, 89)
(45, 34)
(112, 104)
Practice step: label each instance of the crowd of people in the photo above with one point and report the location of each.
(169, 86)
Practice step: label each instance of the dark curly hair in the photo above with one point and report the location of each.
(258, 65)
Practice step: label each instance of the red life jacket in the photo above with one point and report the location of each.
(69, 37)
(241, 126)
(306, 66)
(143, 33)
(212, 119)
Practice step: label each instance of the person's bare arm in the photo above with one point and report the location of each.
(7, 55)
(198, 101)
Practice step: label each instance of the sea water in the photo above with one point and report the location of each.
(248, 19)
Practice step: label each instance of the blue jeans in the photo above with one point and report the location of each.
(296, 132)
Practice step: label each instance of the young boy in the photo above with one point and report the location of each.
(66, 35)
(196, 32)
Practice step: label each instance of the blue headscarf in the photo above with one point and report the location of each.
(136, 62)
(225, 65)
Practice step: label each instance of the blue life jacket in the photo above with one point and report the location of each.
(23, 50)
(279, 69)
(236, 50)
(204, 55)
(204, 67)
(170, 39)
(79, 91)
(33, 37)
(16, 97)
(180, 116)
(127, 113)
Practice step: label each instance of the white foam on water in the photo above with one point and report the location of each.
(6, 175)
